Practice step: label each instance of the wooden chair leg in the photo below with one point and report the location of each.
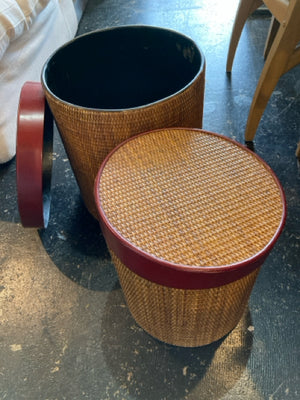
(273, 29)
(298, 151)
(245, 9)
(277, 63)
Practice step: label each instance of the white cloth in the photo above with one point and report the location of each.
(15, 18)
(28, 42)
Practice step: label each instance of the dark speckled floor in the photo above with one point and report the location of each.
(65, 330)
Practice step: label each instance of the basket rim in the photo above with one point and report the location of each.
(143, 106)
(179, 275)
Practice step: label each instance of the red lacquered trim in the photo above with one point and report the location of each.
(174, 275)
(34, 156)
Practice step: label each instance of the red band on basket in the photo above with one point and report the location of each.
(173, 275)
(34, 156)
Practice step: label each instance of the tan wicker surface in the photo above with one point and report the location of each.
(89, 135)
(191, 198)
(182, 317)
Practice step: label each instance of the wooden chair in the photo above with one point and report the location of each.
(282, 51)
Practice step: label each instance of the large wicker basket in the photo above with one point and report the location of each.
(189, 217)
(108, 85)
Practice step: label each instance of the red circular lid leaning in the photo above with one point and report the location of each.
(34, 156)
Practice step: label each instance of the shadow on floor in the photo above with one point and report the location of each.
(146, 368)
(75, 243)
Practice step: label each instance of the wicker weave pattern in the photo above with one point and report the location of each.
(191, 198)
(180, 317)
(89, 135)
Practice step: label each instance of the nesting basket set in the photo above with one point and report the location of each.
(189, 216)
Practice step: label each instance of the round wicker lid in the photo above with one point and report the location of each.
(191, 201)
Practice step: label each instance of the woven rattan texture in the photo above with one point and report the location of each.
(191, 197)
(182, 317)
(89, 135)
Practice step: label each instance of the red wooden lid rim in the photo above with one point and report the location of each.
(174, 275)
(34, 156)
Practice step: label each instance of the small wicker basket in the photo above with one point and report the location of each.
(189, 217)
(108, 85)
